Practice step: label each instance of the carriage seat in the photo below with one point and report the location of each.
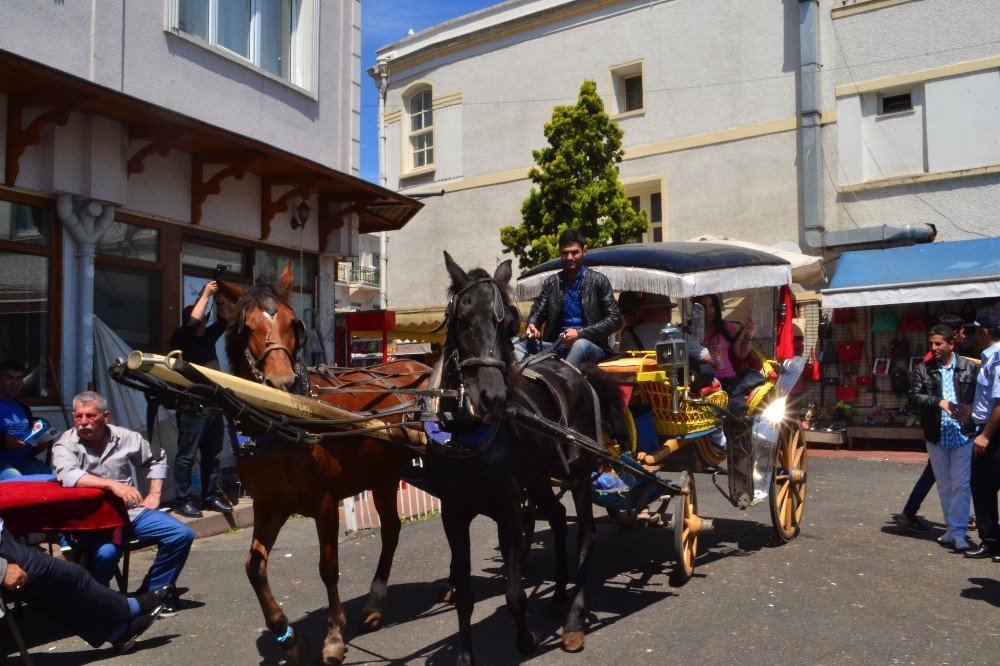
(625, 368)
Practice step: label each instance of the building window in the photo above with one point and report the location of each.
(626, 81)
(421, 111)
(25, 278)
(895, 103)
(649, 199)
(633, 92)
(274, 35)
(130, 242)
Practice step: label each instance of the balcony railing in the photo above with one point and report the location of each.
(359, 275)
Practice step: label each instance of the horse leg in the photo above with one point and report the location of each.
(555, 514)
(573, 631)
(266, 525)
(385, 504)
(327, 528)
(456, 528)
(509, 526)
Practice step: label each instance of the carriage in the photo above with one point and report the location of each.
(329, 439)
(765, 457)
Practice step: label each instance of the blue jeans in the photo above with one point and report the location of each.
(953, 469)
(11, 469)
(173, 539)
(582, 352)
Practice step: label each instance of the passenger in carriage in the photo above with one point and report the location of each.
(645, 316)
(729, 345)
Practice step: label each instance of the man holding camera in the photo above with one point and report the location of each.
(196, 339)
(943, 389)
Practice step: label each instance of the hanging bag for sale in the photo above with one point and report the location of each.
(828, 353)
(884, 322)
(882, 363)
(899, 381)
(847, 391)
(849, 350)
(913, 322)
(899, 349)
(844, 316)
(825, 329)
(813, 371)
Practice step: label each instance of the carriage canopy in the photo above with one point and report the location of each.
(678, 270)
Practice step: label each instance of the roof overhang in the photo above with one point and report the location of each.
(955, 270)
(29, 84)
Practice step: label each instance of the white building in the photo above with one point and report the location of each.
(830, 124)
(147, 142)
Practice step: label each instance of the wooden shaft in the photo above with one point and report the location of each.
(270, 399)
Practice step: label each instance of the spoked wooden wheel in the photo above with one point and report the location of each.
(788, 490)
(687, 526)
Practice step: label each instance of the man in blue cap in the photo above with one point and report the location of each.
(985, 479)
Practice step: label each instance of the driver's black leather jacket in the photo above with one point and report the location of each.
(601, 316)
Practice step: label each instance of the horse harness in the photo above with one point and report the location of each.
(270, 311)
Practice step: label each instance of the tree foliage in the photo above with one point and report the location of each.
(575, 185)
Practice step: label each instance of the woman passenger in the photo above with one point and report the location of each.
(726, 341)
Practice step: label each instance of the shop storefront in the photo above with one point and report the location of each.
(873, 329)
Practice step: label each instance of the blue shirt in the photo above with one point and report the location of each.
(988, 385)
(572, 309)
(951, 430)
(14, 421)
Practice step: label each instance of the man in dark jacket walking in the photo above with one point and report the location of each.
(943, 389)
(577, 302)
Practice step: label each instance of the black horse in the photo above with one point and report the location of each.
(478, 360)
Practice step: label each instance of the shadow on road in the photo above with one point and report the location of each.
(988, 591)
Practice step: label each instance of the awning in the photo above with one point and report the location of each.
(949, 271)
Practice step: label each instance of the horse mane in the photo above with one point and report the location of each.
(236, 340)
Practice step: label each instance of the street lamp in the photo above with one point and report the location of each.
(301, 215)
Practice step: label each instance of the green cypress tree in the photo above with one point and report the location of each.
(576, 185)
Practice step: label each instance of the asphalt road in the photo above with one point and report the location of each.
(850, 589)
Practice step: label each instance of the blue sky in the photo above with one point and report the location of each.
(383, 22)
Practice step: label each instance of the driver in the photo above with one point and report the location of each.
(577, 302)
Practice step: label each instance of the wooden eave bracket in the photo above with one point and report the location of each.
(236, 166)
(330, 221)
(160, 141)
(300, 188)
(19, 138)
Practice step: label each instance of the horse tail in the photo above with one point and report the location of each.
(612, 403)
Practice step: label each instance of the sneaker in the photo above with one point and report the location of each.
(910, 523)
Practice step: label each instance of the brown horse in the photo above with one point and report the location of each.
(263, 343)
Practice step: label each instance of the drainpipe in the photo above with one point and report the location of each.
(382, 69)
(813, 223)
(86, 225)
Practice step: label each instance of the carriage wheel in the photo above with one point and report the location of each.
(709, 456)
(788, 490)
(687, 526)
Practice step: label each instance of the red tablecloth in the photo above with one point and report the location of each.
(42, 506)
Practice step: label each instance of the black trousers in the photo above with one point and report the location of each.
(985, 482)
(67, 592)
(204, 434)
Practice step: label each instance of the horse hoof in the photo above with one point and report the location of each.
(333, 655)
(446, 593)
(298, 651)
(572, 641)
(528, 643)
(371, 621)
(558, 608)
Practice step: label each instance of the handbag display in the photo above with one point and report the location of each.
(847, 391)
(828, 353)
(885, 322)
(914, 322)
(849, 350)
(899, 349)
(844, 316)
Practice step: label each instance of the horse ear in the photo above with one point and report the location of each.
(502, 274)
(287, 281)
(231, 292)
(458, 276)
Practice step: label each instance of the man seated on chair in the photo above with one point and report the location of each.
(17, 457)
(577, 302)
(69, 595)
(96, 454)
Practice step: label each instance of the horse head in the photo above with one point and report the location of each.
(482, 318)
(264, 337)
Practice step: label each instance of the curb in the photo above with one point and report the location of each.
(214, 523)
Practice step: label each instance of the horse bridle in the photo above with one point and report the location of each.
(474, 362)
(295, 358)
